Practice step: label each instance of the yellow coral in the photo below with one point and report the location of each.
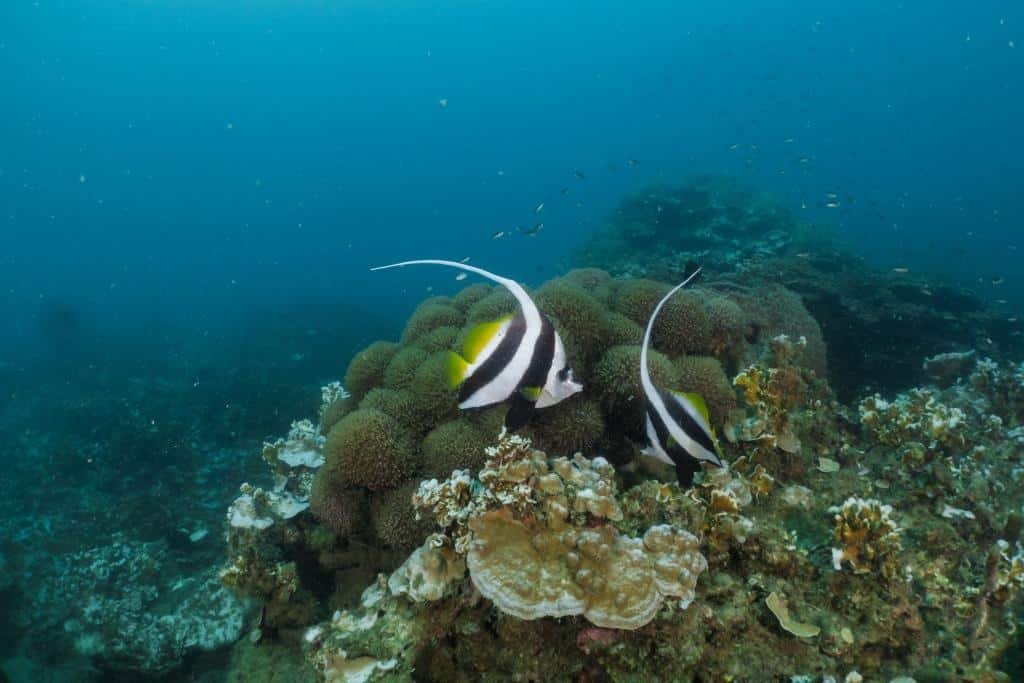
(868, 539)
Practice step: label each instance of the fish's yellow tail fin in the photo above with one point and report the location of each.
(457, 369)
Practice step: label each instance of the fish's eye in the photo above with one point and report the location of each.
(564, 374)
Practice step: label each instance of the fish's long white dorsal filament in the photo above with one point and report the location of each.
(511, 285)
(645, 375)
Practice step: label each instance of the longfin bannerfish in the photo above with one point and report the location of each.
(519, 358)
(677, 425)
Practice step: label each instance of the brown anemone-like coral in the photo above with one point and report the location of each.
(394, 520)
(616, 379)
(368, 448)
(342, 510)
(366, 369)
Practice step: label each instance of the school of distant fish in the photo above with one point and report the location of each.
(520, 360)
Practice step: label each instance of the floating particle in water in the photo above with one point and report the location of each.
(443, 102)
(631, 162)
(901, 269)
(579, 174)
(540, 207)
(460, 276)
(81, 178)
(498, 235)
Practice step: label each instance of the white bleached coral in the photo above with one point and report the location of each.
(916, 416)
(295, 461)
(428, 573)
(121, 614)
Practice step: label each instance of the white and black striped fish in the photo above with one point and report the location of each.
(520, 358)
(678, 427)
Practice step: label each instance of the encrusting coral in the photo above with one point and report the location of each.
(539, 540)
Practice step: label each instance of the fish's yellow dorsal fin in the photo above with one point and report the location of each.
(698, 402)
(479, 336)
(457, 368)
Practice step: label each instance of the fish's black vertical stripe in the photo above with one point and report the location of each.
(686, 464)
(543, 356)
(690, 427)
(660, 430)
(497, 361)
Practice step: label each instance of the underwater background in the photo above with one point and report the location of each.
(192, 195)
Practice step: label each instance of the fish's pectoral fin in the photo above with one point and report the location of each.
(531, 394)
(456, 370)
(480, 336)
(686, 468)
(520, 411)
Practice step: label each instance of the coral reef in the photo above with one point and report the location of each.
(400, 420)
(806, 563)
(712, 219)
(118, 616)
(836, 537)
(878, 325)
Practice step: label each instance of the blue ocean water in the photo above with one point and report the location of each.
(187, 163)
(196, 190)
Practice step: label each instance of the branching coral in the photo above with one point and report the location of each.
(773, 392)
(916, 416)
(867, 537)
(1003, 387)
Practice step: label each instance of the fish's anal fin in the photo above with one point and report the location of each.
(686, 468)
(457, 368)
(480, 336)
(520, 411)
